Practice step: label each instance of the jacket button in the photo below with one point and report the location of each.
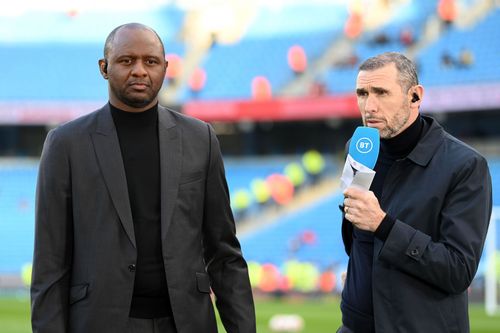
(414, 252)
(131, 267)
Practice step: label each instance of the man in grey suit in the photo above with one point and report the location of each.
(133, 223)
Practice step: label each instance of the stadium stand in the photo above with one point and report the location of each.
(277, 243)
(238, 64)
(431, 71)
(68, 51)
(17, 201)
(477, 40)
(17, 206)
(230, 68)
(272, 243)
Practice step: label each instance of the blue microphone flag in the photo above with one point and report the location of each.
(365, 145)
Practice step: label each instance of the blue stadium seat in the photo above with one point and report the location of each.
(17, 205)
(478, 40)
(273, 244)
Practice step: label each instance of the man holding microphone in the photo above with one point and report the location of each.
(414, 239)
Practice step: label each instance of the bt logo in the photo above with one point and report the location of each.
(364, 145)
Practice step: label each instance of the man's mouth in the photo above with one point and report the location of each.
(373, 122)
(139, 85)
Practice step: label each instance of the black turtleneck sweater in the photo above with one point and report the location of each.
(357, 302)
(138, 136)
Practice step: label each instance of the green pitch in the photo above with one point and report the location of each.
(321, 315)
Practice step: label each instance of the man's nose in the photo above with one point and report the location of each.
(371, 104)
(139, 69)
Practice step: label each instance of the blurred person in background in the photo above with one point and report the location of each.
(465, 58)
(415, 239)
(133, 222)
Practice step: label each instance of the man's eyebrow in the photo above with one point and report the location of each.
(137, 56)
(125, 56)
(374, 90)
(361, 91)
(379, 90)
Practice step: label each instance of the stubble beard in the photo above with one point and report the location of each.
(134, 102)
(398, 122)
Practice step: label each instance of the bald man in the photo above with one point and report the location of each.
(133, 223)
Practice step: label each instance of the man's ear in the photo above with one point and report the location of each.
(166, 66)
(103, 68)
(416, 94)
(415, 98)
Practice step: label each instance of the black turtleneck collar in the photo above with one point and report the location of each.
(145, 118)
(403, 143)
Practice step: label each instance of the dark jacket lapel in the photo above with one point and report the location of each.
(107, 148)
(170, 165)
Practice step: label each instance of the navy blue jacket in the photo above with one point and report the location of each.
(440, 195)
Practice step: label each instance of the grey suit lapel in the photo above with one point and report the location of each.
(170, 166)
(107, 148)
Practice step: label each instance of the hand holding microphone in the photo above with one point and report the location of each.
(362, 209)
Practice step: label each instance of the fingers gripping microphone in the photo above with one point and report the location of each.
(365, 145)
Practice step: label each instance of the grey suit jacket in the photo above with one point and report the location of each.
(83, 274)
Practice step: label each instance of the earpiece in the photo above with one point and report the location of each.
(415, 98)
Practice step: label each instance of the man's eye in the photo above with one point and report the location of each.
(151, 62)
(126, 61)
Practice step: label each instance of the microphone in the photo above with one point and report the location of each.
(363, 154)
(365, 145)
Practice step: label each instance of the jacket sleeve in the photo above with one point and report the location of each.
(450, 262)
(53, 240)
(225, 264)
(347, 227)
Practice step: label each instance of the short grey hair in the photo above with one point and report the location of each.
(406, 68)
